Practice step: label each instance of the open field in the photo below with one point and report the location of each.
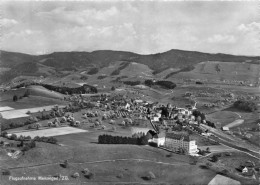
(235, 123)
(223, 117)
(43, 92)
(6, 108)
(12, 114)
(31, 102)
(222, 71)
(120, 172)
(50, 132)
(18, 113)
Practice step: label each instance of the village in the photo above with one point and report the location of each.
(123, 118)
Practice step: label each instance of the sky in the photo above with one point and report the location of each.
(144, 27)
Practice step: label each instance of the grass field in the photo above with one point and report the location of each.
(11, 114)
(50, 132)
(6, 108)
(235, 123)
(19, 113)
(31, 102)
(106, 162)
(223, 117)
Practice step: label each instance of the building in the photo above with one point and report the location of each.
(159, 139)
(245, 170)
(176, 142)
(225, 128)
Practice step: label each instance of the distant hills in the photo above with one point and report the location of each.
(16, 64)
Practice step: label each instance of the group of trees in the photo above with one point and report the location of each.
(93, 71)
(199, 116)
(26, 94)
(28, 138)
(245, 105)
(62, 89)
(51, 140)
(163, 84)
(122, 66)
(67, 90)
(132, 83)
(109, 139)
(211, 124)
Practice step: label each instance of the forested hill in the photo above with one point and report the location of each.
(24, 64)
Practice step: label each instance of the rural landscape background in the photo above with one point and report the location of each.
(109, 92)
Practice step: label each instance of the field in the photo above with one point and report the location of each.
(18, 113)
(235, 123)
(11, 114)
(111, 164)
(6, 108)
(31, 102)
(50, 132)
(223, 117)
(222, 71)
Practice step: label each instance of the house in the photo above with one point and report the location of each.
(225, 128)
(175, 142)
(185, 111)
(245, 170)
(159, 139)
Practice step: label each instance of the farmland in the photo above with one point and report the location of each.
(50, 132)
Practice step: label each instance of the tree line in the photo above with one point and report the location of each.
(109, 139)
(64, 90)
(245, 105)
(164, 84)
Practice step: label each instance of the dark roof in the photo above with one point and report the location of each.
(177, 136)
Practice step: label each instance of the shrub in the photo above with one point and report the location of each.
(6, 172)
(13, 137)
(4, 133)
(15, 98)
(26, 94)
(132, 83)
(93, 71)
(153, 144)
(166, 84)
(101, 77)
(90, 175)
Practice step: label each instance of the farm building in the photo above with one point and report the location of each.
(159, 139)
(175, 142)
(225, 128)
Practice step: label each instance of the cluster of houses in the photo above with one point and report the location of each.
(174, 141)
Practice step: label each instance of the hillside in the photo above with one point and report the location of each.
(57, 62)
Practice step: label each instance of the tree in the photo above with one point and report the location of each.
(113, 88)
(26, 94)
(214, 158)
(15, 98)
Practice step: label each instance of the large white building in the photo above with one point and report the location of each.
(175, 142)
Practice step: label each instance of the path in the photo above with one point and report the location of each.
(93, 162)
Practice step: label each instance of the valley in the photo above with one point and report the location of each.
(111, 117)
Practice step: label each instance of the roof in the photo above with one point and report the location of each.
(178, 136)
(220, 180)
(160, 135)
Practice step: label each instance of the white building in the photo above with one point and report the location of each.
(175, 142)
(159, 139)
